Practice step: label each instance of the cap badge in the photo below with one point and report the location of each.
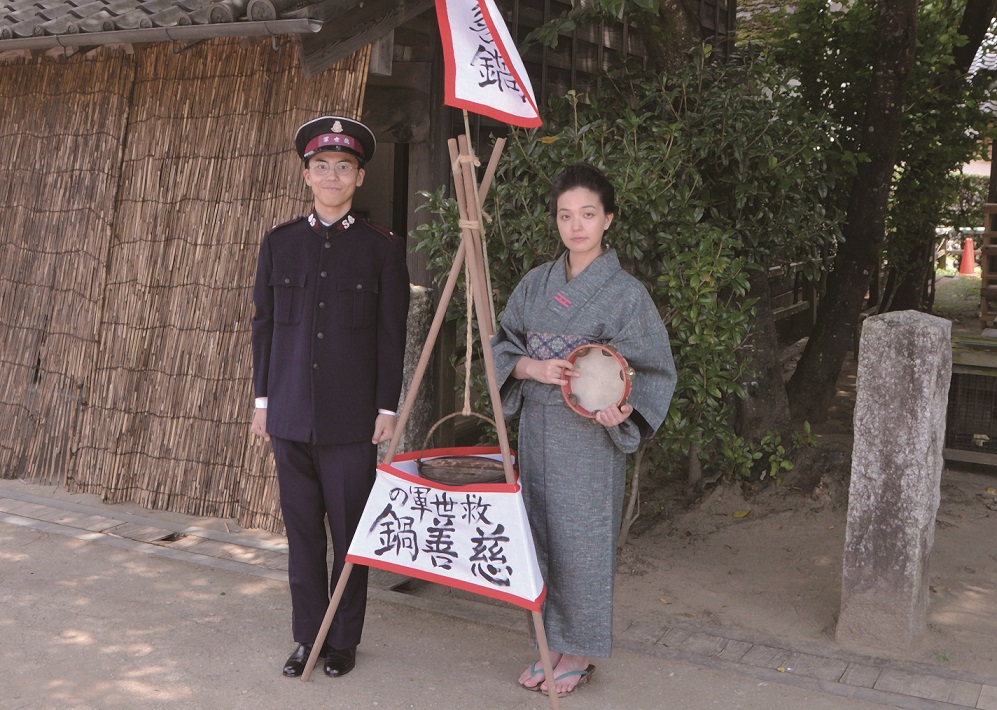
(337, 127)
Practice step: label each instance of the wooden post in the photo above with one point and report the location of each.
(323, 631)
(445, 297)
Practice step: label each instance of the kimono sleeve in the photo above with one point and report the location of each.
(643, 341)
(626, 436)
(508, 346)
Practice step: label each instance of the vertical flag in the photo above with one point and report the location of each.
(484, 72)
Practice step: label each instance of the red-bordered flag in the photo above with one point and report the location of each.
(484, 72)
(474, 537)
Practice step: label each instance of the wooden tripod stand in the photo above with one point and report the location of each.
(471, 253)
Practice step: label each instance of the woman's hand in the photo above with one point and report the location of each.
(614, 415)
(551, 372)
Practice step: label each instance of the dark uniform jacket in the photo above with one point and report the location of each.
(329, 329)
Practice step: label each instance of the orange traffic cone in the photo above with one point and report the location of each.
(968, 266)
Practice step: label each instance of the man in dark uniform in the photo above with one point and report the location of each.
(331, 298)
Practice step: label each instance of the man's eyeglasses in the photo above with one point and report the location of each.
(341, 169)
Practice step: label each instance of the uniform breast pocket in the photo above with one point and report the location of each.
(356, 302)
(288, 297)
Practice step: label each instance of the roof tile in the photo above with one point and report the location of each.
(90, 8)
(98, 22)
(28, 28)
(119, 7)
(201, 16)
(228, 10)
(170, 17)
(154, 6)
(27, 13)
(134, 20)
(28, 18)
(64, 25)
(55, 10)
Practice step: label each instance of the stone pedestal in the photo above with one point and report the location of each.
(905, 366)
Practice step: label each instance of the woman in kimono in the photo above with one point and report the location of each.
(573, 472)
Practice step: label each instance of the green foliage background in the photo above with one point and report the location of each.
(718, 170)
(830, 49)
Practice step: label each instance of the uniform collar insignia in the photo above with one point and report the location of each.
(322, 228)
(345, 223)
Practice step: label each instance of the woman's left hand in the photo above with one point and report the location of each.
(614, 415)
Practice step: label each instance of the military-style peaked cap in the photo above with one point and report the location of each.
(336, 133)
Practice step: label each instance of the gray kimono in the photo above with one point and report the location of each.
(573, 470)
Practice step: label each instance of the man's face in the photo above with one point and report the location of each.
(333, 178)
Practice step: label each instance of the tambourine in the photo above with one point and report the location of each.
(605, 379)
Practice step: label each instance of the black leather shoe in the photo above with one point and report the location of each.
(339, 663)
(296, 662)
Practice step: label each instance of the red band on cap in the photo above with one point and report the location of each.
(334, 139)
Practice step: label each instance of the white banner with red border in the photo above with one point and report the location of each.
(471, 537)
(483, 71)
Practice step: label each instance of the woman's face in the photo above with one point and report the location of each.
(581, 221)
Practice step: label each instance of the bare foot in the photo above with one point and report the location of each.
(569, 672)
(533, 676)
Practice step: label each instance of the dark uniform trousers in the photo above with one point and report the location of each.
(318, 483)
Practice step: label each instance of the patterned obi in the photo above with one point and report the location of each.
(552, 346)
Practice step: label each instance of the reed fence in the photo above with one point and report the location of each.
(137, 187)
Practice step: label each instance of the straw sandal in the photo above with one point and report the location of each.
(584, 677)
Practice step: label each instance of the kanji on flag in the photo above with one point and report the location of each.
(484, 72)
(473, 537)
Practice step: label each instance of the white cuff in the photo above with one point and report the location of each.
(388, 412)
(261, 402)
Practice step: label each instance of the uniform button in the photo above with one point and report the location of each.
(287, 280)
(323, 274)
(314, 365)
(319, 336)
(359, 287)
(321, 304)
(328, 245)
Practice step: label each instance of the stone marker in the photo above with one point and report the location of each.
(904, 371)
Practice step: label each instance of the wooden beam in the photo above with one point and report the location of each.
(974, 354)
(381, 55)
(397, 108)
(13, 54)
(980, 458)
(321, 11)
(343, 35)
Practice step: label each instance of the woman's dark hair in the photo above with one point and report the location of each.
(587, 176)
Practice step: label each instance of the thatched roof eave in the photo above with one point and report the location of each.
(302, 26)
